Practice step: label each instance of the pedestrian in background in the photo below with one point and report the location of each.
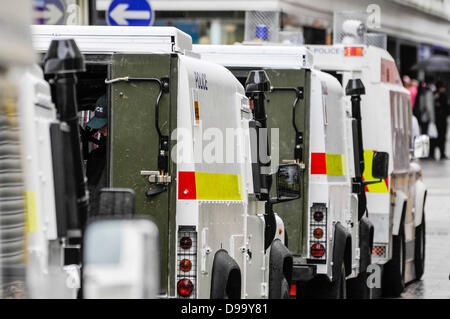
(413, 90)
(441, 113)
(411, 86)
(424, 109)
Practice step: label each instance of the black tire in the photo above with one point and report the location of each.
(357, 288)
(394, 271)
(321, 288)
(419, 253)
(341, 284)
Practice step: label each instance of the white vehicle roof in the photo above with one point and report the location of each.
(268, 56)
(106, 39)
(15, 39)
(376, 60)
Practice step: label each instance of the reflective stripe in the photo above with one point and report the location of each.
(327, 164)
(382, 187)
(334, 165)
(209, 186)
(32, 225)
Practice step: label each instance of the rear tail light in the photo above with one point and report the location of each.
(318, 216)
(187, 262)
(318, 231)
(185, 265)
(317, 250)
(354, 51)
(186, 242)
(293, 291)
(185, 287)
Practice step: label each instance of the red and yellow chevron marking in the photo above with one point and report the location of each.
(327, 164)
(210, 186)
(382, 187)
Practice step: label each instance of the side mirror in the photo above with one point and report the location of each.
(422, 146)
(288, 182)
(380, 165)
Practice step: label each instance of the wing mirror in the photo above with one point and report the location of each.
(421, 146)
(288, 182)
(380, 167)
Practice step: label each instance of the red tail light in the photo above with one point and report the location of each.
(293, 290)
(185, 287)
(186, 242)
(353, 51)
(317, 250)
(318, 216)
(187, 262)
(318, 231)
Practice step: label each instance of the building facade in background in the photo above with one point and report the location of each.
(416, 29)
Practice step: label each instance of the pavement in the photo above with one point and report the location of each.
(435, 283)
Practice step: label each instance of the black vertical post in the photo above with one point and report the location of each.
(256, 86)
(63, 60)
(355, 88)
(92, 12)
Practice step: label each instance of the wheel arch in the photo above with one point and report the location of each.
(421, 196)
(280, 266)
(401, 201)
(226, 277)
(342, 250)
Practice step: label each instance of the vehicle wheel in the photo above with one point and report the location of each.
(419, 254)
(394, 270)
(357, 288)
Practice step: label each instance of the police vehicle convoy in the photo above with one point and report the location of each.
(396, 206)
(264, 179)
(44, 201)
(167, 111)
(327, 229)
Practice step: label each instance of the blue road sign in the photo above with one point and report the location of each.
(130, 13)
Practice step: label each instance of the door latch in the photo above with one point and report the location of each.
(155, 177)
(161, 181)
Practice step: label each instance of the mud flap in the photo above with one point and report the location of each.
(226, 277)
(357, 287)
(280, 268)
(400, 200)
(421, 194)
(341, 240)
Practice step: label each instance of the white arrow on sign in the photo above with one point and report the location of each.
(120, 14)
(51, 16)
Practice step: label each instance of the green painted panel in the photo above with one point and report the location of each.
(134, 140)
(279, 114)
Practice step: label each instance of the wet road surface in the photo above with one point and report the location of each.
(435, 282)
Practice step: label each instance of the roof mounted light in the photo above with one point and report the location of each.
(354, 51)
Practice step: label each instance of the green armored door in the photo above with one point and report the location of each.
(136, 83)
(291, 89)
